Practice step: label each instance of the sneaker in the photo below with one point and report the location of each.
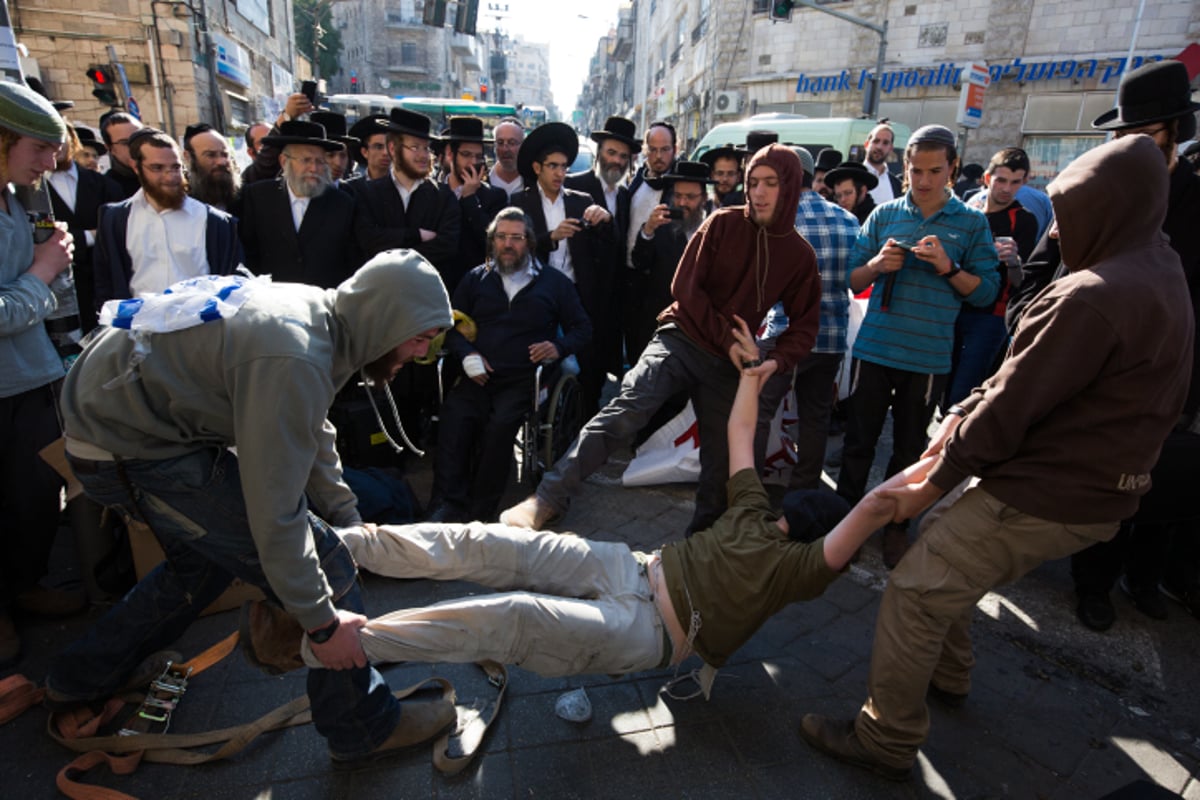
(151, 667)
(270, 638)
(951, 700)
(1095, 611)
(895, 545)
(52, 603)
(837, 738)
(1146, 599)
(419, 722)
(10, 641)
(1188, 598)
(532, 513)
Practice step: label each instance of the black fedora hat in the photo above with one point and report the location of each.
(465, 129)
(619, 128)
(1151, 93)
(757, 140)
(693, 171)
(87, 138)
(851, 170)
(710, 157)
(401, 120)
(827, 159)
(364, 129)
(559, 135)
(335, 128)
(298, 131)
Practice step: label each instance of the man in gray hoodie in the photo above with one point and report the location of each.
(150, 421)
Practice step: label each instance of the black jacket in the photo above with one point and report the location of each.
(478, 210)
(91, 191)
(654, 263)
(590, 182)
(382, 223)
(324, 252)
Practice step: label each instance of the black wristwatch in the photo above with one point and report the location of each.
(323, 635)
(954, 270)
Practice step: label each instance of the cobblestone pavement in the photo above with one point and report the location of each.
(1056, 711)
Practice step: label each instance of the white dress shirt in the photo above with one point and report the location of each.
(165, 246)
(641, 204)
(299, 207)
(405, 193)
(66, 186)
(556, 212)
(883, 191)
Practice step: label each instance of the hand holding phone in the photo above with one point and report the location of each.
(674, 213)
(309, 90)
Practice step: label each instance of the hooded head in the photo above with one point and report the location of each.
(1131, 175)
(394, 297)
(786, 165)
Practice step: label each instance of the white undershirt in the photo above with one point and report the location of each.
(165, 246)
(641, 204)
(516, 185)
(883, 190)
(556, 212)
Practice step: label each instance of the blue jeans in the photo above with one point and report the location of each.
(978, 340)
(194, 505)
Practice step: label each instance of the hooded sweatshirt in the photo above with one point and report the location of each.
(1069, 427)
(261, 380)
(733, 265)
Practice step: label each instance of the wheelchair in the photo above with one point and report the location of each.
(553, 422)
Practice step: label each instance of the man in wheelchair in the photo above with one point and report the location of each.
(519, 307)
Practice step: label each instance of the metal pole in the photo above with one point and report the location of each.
(881, 29)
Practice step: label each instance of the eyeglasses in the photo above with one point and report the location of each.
(690, 197)
(306, 161)
(505, 238)
(158, 169)
(557, 166)
(1154, 131)
(417, 148)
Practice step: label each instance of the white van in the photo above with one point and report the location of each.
(814, 134)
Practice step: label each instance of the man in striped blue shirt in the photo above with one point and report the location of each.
(831, 230)
(923, 254)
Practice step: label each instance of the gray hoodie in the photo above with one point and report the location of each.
(263, 381)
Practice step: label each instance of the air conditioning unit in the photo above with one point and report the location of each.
(728, 103)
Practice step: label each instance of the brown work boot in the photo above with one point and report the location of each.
(52, 603)
(838, 739)
(532, 512)
(270, 638)
(10, 640)
(419, 722)
(895, 544)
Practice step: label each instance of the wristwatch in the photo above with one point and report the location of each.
(954, 270)
(323, 635)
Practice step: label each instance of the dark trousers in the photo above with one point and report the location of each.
(475, 444)
(29, 488)
(1161, 542)
(874, 389)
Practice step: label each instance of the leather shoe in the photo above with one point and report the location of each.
(895, 544)
(1095, 611)
(532, 513)
(419, 722)
(270, 638)
(1146, 599)
(52, 603)
(150, 668)
(838, 739)
(10, 640)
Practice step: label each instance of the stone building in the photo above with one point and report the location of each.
(225, 63)
(1054, 64)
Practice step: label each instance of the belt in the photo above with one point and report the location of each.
(644, 562)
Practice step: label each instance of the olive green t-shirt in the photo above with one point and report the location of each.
(740, 571)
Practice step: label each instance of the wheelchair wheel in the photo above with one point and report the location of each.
(528, 469)
(562, 419)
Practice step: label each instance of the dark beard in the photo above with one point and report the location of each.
(215, 188)
(407, 170)
(170, 198)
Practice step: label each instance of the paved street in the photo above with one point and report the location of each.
(1056, 711)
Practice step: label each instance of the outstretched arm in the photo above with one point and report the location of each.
(743, 417)
(876, 509)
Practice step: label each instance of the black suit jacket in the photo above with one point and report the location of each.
(92, 190)
(477, 212)
(382, 223)
(324, 252)
(654, 263)
(590, 182)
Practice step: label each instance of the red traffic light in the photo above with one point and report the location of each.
(98, 75)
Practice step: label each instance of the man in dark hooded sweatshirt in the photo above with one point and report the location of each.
(1054, 449)
(742, 260)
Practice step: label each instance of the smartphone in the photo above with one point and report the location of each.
(904, 245)
(309, 90)
(583, 223)
(674, 213)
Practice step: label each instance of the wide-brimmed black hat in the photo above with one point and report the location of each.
(757, 140)
(299, 131)
(364, 129)
(852, 170)
(465, 129)
(87, 138)
(619, 128)
(827, 159)
(693, 171)
(559, 135)
(401, 120)
(335, 128)
(1151, 93)
(710, 157)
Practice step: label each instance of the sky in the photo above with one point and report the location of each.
(572, 28)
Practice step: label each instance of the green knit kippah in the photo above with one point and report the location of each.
(26, 112)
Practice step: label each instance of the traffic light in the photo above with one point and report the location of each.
(467, 17)
(353, 84)
(483, 91)
(435, 13)
(104, 87)
(781, 10)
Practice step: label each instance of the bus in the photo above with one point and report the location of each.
(440, 110)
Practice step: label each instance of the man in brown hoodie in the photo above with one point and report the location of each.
(742, 260)
(1055, 449)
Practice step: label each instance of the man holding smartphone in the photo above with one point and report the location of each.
(478, 201)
